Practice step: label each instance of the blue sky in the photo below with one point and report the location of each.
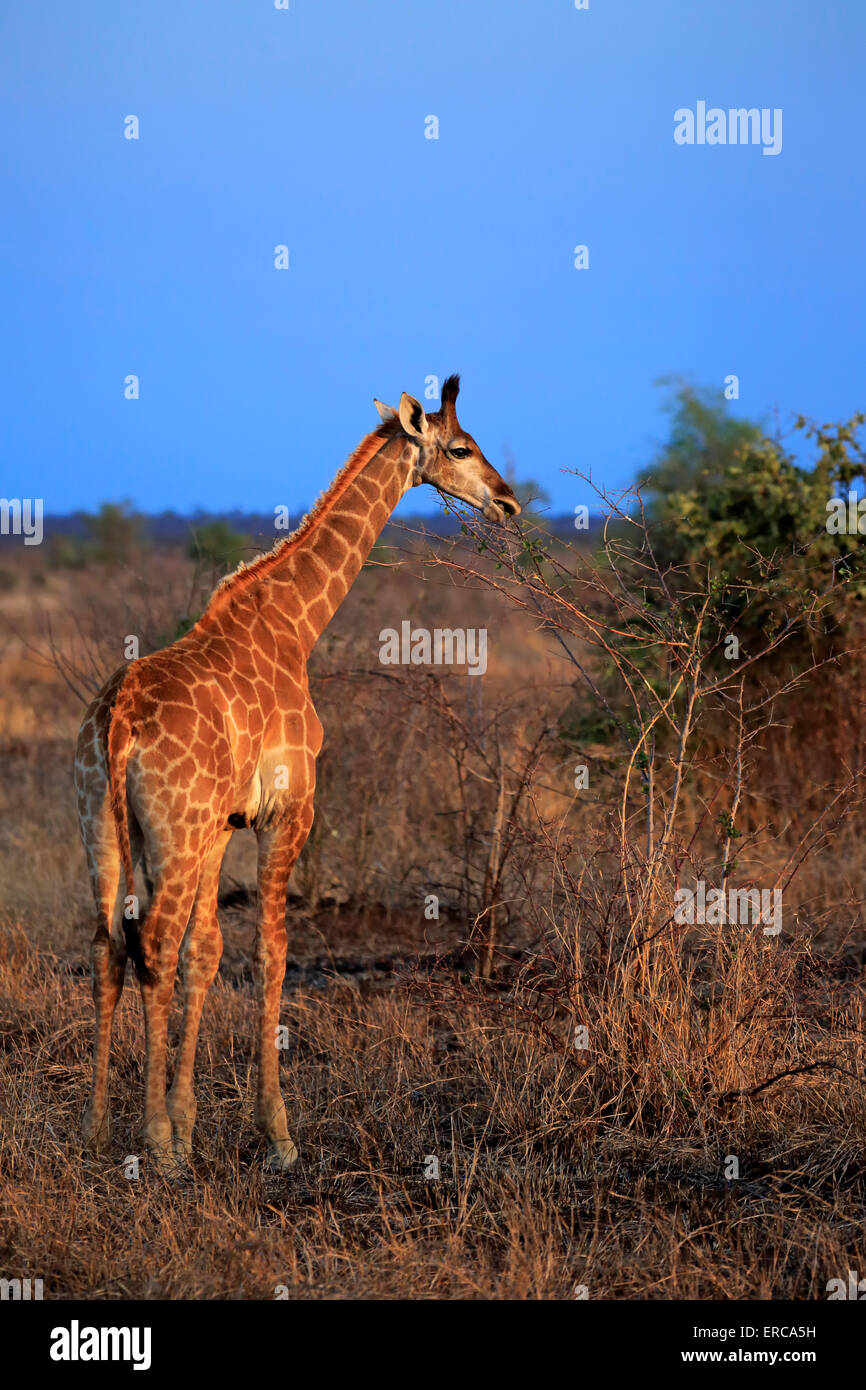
(411, 257)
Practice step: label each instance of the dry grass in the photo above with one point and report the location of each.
(544, 1183)
(557, 1167)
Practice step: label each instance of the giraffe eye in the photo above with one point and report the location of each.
(460, 453)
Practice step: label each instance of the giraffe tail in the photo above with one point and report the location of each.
(119, 744)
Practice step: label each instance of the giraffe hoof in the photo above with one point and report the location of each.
(96, 1133)
(181, 1129)
(182, 1147)
(168, 1162)
(281, 1157)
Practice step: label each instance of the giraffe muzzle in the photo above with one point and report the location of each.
(499, 508)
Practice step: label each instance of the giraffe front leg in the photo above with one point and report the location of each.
(279, 847)
(201, 952)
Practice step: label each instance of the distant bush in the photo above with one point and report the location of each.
(728, 506)
(216, 544)
(114, 533)
(67, 552)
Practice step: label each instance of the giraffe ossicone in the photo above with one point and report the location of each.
(218, 731)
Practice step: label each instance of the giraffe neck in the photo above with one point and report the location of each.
(302, 582)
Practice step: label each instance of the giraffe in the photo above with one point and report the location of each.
(218, 732)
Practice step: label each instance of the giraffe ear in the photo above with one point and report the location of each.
(412, 416)
(387, 412)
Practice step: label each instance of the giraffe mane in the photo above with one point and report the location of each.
(249, 572)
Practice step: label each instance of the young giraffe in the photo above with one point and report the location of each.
(218, 731)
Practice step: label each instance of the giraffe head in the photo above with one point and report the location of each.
(448, 457)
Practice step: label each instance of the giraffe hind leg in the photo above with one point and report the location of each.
(200, 956)
(160, 936)
(108, 955)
